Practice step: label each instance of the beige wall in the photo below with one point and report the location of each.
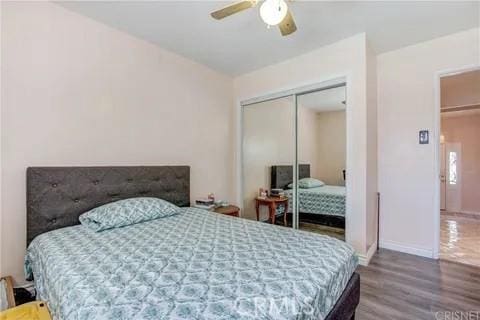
(269, 139)
(76, 92)
(406, 104)
(331, 147)
(344, 58)
(465, 129)
(308, 138)
(461, 89)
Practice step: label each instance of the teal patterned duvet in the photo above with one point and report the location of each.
(193, 265)
(328, 200)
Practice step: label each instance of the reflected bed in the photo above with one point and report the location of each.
(321, 205)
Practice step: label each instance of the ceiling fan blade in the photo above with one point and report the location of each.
(232, 9)
(287, 26)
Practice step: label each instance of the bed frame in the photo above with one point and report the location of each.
(282, 176)
(56, 196)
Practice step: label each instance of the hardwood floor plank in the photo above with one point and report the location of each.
(401, 286)
(403, 281)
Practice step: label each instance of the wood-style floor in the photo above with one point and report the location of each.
(401, 286)
(328, 231)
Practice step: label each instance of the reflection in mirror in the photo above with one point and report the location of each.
(268, 139)
(322, 161)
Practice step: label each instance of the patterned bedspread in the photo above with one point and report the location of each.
(194, 265)
(329, 200)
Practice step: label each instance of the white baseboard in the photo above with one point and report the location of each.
(391, 245)
(364, 259)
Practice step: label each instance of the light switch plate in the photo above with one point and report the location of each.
(423, 137)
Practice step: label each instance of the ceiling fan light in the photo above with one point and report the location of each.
(273, 12)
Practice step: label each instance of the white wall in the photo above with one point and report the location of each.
(372, 150)
(406, 104)
(76, 92)
(1, 152)
(346, 57)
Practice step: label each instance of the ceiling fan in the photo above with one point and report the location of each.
(272, 12)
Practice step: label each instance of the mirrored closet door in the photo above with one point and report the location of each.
(294, 161)
(268, 142)
(322, 145)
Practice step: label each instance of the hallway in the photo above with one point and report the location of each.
(460, 238)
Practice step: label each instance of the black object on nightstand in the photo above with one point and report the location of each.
(22, 296)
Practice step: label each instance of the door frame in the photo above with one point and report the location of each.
(329, 83)
(443, 177)
(436, 148)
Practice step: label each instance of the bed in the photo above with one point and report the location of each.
(192, 265)
(323, 205)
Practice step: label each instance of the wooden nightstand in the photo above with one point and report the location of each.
(8, 285)
(272, 203)
(229, 210)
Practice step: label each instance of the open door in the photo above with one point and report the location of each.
(453, 194)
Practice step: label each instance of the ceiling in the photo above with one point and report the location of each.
(242, 43)
(325, 100)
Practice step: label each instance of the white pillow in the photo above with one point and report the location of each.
(307, 183)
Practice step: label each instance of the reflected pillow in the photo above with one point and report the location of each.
(127, 212)
(307, 183)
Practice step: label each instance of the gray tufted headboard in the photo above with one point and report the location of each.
(56, 196)
(282, 176)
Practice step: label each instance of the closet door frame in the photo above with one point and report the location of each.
(292, 92)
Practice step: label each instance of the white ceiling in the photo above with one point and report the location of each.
(325, 100)
(242, 43)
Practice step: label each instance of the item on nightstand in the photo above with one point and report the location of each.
(205, 202)
(205, 207)
(36, 310)
(262, 193)
(277, 193)
(23, 295)
(221, 203)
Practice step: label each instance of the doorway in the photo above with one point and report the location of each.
(459, 154)
(451, 173)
